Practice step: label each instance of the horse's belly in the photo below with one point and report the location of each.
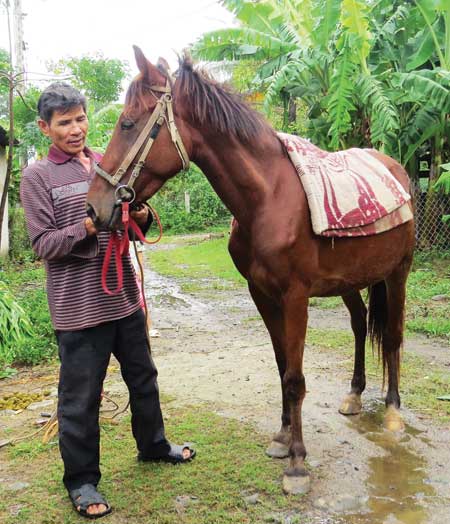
(333, 288)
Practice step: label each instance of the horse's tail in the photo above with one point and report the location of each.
(378, 315)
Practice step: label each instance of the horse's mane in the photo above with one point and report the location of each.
(210, 103)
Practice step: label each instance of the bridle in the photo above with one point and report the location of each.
(125, 193)
(163, 112)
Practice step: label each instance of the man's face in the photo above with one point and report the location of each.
(67, 131)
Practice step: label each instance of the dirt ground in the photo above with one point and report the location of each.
(214, 350)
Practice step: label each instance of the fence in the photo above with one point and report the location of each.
(431, 231)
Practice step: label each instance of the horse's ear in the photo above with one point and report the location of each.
(141, 61)
(147, 69)
(163, 66)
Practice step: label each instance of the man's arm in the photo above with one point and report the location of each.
(143, 217)
(47, 240)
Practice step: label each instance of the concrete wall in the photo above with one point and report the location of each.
(4, 247)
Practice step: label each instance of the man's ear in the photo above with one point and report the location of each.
(44, 127)
(148, 71)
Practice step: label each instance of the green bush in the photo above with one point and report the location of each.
(206, 209)
(15, 325)
(26, 283)
(19, 244)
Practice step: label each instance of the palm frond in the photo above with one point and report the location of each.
(289, 73)
(230, 44)
(383, 115)
(433, 87)
(425, 123)
(326, 14)
(443, 182)
(340, 103)
(354, 19)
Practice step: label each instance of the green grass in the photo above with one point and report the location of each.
(420, 383)
(208, 261)
(430, 277)
(230, 465)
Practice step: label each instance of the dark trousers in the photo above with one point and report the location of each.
(85, 356)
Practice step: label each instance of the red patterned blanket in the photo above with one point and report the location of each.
(350, 193)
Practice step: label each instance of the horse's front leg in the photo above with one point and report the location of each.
(272, 314)
(296, 478)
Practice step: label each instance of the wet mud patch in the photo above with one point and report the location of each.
(398, 486)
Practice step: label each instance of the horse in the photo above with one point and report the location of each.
(170, 121)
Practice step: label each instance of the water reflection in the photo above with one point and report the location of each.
(398, 492)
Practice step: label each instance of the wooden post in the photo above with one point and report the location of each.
(187, 202)
(4, 247)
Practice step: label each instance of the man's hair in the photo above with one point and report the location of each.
(61, 97)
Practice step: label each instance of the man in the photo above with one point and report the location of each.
(89, 324)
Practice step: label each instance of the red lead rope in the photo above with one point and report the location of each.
(120, 245)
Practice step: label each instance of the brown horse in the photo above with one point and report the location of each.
(272, 243)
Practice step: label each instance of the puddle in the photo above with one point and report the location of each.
(165, 291)
(397, 482)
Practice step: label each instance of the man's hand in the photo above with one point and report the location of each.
(140, 216)
(90, 228)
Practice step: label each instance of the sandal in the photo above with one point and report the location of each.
(85, 496)
(174, 455)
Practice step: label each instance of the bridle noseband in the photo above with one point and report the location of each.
(163, 112)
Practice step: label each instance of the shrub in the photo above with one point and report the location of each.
(19, 244)
(206, 211)
(37, 344)
(15, 325)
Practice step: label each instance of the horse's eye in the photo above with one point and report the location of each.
(126, 124)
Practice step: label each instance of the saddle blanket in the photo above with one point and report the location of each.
(350, 193)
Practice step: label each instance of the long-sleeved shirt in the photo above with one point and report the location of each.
(53, 193)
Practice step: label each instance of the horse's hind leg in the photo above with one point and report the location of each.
(392, 342)
(272, 315)
(351, 405)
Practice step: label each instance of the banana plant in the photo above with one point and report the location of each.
(425, 87)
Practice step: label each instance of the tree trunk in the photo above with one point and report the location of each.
(4, 190)
(412, 168)
(292, 116)
(432, 215)
(4, 237)
(285, 99)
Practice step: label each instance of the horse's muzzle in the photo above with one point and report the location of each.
(113, 223)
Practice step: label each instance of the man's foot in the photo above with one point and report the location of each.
(176, 455)
(88, 502)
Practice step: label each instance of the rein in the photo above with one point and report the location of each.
(125, 193)
(120, 246)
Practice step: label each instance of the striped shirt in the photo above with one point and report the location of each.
(53, 193)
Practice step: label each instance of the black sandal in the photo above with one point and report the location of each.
(174, 455)
(85, 496)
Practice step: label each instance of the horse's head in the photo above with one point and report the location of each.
(146, 148)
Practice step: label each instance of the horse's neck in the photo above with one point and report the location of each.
(242, 176)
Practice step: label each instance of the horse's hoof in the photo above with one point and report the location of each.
(351, 405)
(277, 450)
(393, 420)
(296, 484)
